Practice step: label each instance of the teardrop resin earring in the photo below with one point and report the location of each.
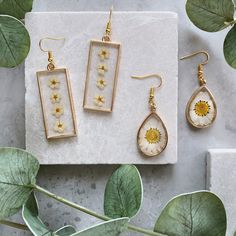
(152, 137)
(201, 109)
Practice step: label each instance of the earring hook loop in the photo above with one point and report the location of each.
(152, 103)
(51, 66)
(197, 53)
(107, 35)
(47, 38)
(201, 79)
(149, 76)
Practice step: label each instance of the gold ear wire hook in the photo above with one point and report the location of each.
(152, 103)
(107, 35)
(201, 79)
(51, 65)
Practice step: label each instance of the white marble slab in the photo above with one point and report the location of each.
(221, 175)
(149, 45)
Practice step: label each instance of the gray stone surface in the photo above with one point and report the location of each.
(221, 180)
(160, 182)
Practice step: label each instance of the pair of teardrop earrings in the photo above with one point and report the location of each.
(201, 110)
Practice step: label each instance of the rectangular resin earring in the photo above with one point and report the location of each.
(152, 136)
(102, 73)
(56, 99)
(201, 109)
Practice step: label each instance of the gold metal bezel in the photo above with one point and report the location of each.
(167, 138)
(203, 87)
(104, 43)
(74, 133)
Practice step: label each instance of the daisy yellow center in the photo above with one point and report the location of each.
(60, 125)
(55, 96)
(153, 135)
(104, 53)
(202, 108)
(58, 109)
(54, 82)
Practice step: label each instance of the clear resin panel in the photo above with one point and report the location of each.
(201, 109)
(57, 104)
(152, 136)
(102, 72)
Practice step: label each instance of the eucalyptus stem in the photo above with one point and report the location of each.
(228, 23)
(14, 225)
(92, 213)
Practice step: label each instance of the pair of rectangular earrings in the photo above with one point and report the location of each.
(100, 87)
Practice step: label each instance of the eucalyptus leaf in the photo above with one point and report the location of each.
(65, 231)
(230, 47)
(194, 214)
(18, 170)
(124, 193)
(16, 8)
(14, 41)
(109, 228)
(31, 218)
(210, 15)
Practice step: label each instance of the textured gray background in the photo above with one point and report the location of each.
(85, 184)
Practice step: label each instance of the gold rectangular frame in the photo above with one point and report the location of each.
(39, 73)
(100, 42)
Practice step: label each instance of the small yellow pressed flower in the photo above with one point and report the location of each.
(58, 111)
(103, 54)
(59, 127)
(53, 83)
(55, 97)
(153, 135)
(101, 83)
(99, 100)
(202, 108)
(102, 68)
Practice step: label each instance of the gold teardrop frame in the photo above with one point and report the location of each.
(187, 111)
(164, 127)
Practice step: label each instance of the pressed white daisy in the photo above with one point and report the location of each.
(99, 100)
(102, 68)
(202, 110)
(53, 83)
(101, 83)
(152, 136)
(55, 97)
(103, 54)
(59, 127)
(58, 110)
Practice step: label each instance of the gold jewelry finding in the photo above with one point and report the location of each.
(201, 109)
(100, 70)
(51, 83)
(152, 136)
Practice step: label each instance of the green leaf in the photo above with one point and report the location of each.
(109, 228)
(194, 214)
(65, 231)
(16, 8)
(124, 193)
(210, 15)
(14, 41)
(230, 47)
(18, 170)
(30, 216)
